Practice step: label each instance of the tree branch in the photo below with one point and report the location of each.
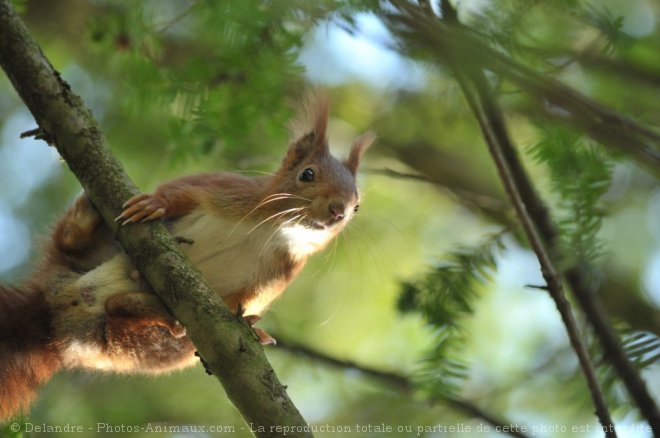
(535, 216)
(228, 346)
(485, 109)
(397, 381)
(496, 208)
(499, 144)
(466, 52)
(610, 128)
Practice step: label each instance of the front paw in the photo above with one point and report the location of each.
(142, 207)
(264, 337)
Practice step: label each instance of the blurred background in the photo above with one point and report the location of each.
(184, 86)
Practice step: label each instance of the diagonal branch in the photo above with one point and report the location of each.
(229, 347)
(497, 209)
(540, 227)
(400, 382)
(501, 149)
(463, 52)
(481, 102)
(534, 215)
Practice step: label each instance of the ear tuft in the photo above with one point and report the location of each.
(312, 118)
(358, 147)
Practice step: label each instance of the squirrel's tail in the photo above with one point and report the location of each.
(27, 356)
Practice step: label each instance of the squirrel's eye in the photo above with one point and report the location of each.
(356, 208)
(307, 175)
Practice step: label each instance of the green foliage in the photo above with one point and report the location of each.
(214, 74)
(513, 24)
(548, 33)
(642, 349)
(444, 297)
(200, 85)
(581, 173)
(608, 25)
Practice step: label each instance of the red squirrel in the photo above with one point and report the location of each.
(85, 306)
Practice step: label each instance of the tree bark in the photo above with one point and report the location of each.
(227, 345)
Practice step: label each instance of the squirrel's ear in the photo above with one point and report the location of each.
(360, 145)
(309, 128)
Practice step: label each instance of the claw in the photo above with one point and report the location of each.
(252, 319)
(141, 208)
(155, 215)
(264, 337)
(135, 199)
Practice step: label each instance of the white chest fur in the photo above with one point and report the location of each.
(303, 241)
(233, 254)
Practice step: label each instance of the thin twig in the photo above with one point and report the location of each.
(434, 36)
(470, 196)
(483, 105)
(494, 132)
(609, 127)
(38, 134)
(576, 277)
(386, 171)
(31, 133)
(399, 382)
(483, 203)
(395, 380)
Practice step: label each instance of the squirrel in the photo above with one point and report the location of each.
(85, 305)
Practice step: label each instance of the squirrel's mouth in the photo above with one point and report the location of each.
(323, 224)
(316, 225)
(326, 225)
(319, 225)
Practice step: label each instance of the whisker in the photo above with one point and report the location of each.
(330, 257)
(355, 241)
(266, 200)
(382, 259)
(339, 304)
(279, 228)
(349, 231)
(276, 197)
(272, 198)
(260, 172)
(273, 216)
(287, 195)
(299, 197)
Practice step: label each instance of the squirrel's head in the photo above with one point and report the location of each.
(322, 186)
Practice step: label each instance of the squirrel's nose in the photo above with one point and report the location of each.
(337, 210)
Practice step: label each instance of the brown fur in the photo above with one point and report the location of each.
(284, 269)
(46, 324)
(28, 356)
(86, 306)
